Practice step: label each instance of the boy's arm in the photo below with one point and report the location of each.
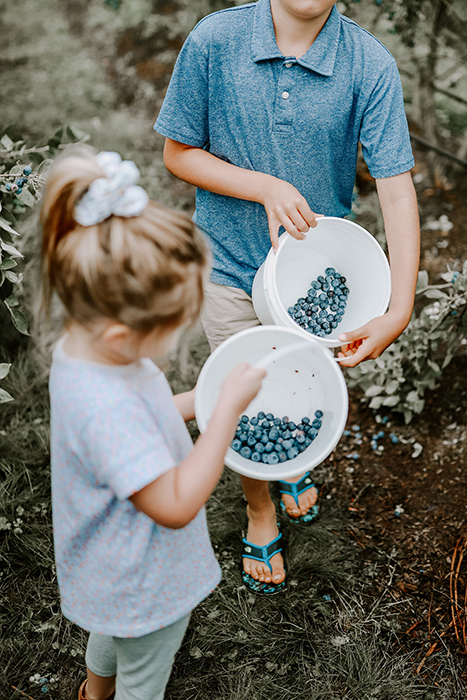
(284, 204)
(400, 212)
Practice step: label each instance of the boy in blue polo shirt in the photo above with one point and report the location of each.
(264, 112)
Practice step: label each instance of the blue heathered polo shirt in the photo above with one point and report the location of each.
(233, 93)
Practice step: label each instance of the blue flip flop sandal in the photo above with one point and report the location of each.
(264, 554)
(295, 489)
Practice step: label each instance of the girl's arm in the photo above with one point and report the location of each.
(400, 212)
(185, 404)
(284, 204)
(175, 498)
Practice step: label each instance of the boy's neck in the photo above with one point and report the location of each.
(295, 33)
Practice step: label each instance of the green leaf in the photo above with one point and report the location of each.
(6, 226)
(435, 294)
(376, 402)
(7, 264)
(8, 248)
(422, 280)
(26, 198)
(392, 400)
(373, 390)
(7, 143)
(5, 396)
(11, 301)
(11, 277)
(4, 369)
(19, 320)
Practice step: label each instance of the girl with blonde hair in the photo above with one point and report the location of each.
(128, 487)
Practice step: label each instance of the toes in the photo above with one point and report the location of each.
(278, 573)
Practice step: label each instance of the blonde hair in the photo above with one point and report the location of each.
(144, 271)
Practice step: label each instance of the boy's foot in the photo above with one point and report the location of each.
(82, 694)
(262, 529)
(306, 500)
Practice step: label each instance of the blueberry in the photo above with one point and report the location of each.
(255, 457)
(322, 297)
(300, 439)
(243, 437)
(315, 284)
(292, 453)
(269, 446)
(27, 170)
(287, 444)
(316, 423)
(308, 441)
(320, 279)
(245, 419)
(236, 445)
(251, 441)
(313, 433)
(282, 457)
(265, 424)
(264, 438)
(261, 415)
(305, 419)
(273, 458)
(319, 414)
(273, 435)
(330, 271)
(278, 447)
(291, 426)
(326, 287)
(259, 447)
(19, 190)
(291, 310)
(8, 186)
(254, 421)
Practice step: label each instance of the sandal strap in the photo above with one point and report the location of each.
(295, 488)
(264, 554)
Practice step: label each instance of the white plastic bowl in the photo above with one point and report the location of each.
(350, 249)
(297, 385)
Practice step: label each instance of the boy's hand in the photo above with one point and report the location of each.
(369, 341)
(240, 386)
(286, 207)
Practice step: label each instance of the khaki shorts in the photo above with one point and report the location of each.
(226, 310)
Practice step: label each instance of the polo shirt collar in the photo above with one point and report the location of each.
(321, 55)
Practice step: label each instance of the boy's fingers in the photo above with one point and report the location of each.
(355, 358)
(353, 336)
(274, 233)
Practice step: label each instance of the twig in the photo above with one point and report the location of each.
(25, 695)
(427, 655)
(437, 149)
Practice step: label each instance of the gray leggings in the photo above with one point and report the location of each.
(142, 664)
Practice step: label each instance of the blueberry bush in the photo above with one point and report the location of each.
(22, 179)
(415, 362)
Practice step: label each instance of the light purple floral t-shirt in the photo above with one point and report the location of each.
(115, 429)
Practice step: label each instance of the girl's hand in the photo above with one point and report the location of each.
(286, 207)
(240, 387)
(369, 341)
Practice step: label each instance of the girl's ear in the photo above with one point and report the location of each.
(118, 337)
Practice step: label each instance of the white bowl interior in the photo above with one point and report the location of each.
(297, 385)
(337, 243)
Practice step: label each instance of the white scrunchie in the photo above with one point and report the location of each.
(116, 193)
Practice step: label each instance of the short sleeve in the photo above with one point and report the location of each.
(384, 132)
(124, 449)
(184, 113)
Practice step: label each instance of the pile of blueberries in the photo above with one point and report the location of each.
(265, 438)
(17, 186)
(324, 305)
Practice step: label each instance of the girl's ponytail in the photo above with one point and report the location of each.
(70, 176)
